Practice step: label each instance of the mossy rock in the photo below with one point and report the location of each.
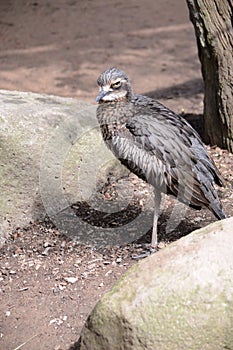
(179, 298)
(44, 140)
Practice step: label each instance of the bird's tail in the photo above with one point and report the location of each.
(218, 212)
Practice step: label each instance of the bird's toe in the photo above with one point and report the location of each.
(149, 251)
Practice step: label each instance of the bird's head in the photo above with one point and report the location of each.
(114, 85)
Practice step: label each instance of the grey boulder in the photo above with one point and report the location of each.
(41, 146)
(177, 299)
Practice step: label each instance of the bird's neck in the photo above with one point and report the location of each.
(118, 111)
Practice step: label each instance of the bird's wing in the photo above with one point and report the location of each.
(178, 126)
(167, 154)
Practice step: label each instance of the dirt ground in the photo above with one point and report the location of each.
(49, 284)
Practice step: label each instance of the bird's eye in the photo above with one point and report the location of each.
(116, 85)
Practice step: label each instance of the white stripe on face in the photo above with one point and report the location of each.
(114, 95)
(105, 88)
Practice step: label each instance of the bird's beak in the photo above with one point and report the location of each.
(101, 95)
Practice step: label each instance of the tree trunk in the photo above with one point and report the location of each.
(213, 23)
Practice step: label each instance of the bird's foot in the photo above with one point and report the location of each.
(149, 251)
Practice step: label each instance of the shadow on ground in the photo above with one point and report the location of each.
(187, 89)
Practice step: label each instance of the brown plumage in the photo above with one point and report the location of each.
(157, 145)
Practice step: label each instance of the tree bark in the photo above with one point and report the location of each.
(213, 23)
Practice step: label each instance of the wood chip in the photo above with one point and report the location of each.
(71, 279)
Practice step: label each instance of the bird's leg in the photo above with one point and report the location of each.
(154, 239)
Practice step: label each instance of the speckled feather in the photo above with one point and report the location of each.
(160, 147)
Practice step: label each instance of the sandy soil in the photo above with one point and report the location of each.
(48, 284)
(61, 47)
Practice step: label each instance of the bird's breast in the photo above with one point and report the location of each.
(112, 119)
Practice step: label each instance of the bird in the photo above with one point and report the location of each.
(157, 145)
